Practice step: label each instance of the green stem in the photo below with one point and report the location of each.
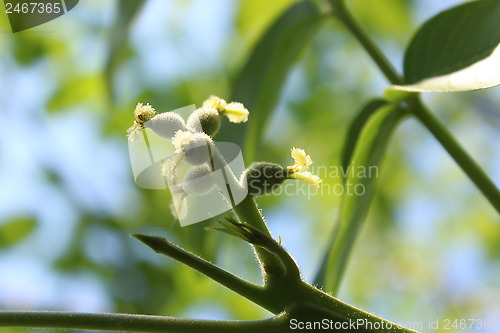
(133, 323)
(150, 152)
(248, 212)
(343, 15)
(314, 304)
(440, 132)
(256, 237)
(246, 289)
(292, 271)
(272, 267)
(146, 140)
(463, 159)
(466, 163)
(217, 161)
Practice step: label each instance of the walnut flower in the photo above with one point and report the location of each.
(234, 111)
(299, 169)
(142, 113)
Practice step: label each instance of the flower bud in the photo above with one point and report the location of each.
(263, 177)
(198, 180)
(205, 120)
(197, 151)
(166, 124)
(194, 147)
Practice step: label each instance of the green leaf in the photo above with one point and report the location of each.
(76, 90)
(389, 17)
(126, 12)
(365, 162)
(254, 16)
(260, 82)
(28, 48)
(15, 231)
(457, 50)
(355, 129)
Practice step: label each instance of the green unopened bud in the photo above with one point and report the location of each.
(262, 178)
(198, 180)
(166, 124)
(205, 120)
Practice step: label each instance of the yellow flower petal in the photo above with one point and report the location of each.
(299, 169)
(301, 159)
(309, 178)
(215, 102)
(236, 112)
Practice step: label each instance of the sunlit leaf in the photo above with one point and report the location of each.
(391, 17)
(27, 48)
(259, 83)
(15, 231)
(76, 90)
(457, 50)
(361, 177)
(255, 15)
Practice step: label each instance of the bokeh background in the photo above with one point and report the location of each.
(431, 245)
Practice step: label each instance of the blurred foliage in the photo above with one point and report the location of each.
(14, 231)
(97, 65)
(77, 91)
(126, 11)
(260, 81)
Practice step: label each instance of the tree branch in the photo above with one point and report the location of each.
(255, 293)
(133, 323)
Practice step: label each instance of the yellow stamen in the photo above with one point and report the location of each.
(236, 112)
(299, 169)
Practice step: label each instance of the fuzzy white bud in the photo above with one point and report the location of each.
(195, 147)
(205, 120)
(166, 124)
(198, 180)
